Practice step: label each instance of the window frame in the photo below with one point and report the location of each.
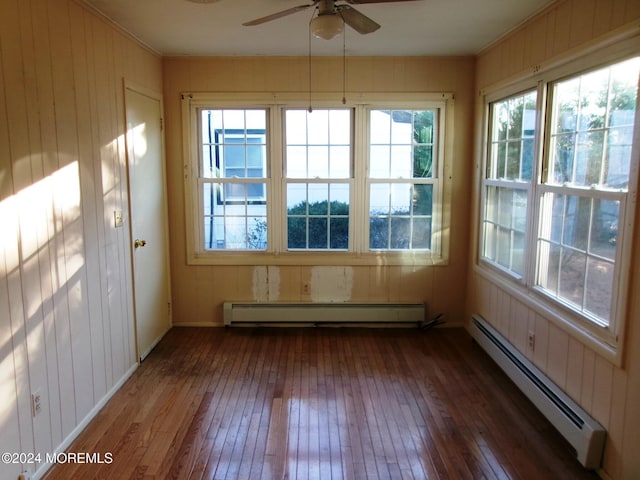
(606, 340)
(277, 253)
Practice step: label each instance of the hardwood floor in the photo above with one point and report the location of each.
(319, 404)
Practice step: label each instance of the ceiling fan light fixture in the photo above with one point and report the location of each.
(327, 26)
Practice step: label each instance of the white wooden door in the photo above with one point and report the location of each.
(148, 214)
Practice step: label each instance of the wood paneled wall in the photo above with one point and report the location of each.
(66, 326)
(199, 291)
(609, 393)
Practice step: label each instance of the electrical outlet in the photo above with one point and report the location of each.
(306, 288)
(531, 338)
(36, 403)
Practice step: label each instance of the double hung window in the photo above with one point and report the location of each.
(507, 184)
(557, 190)
(318, 158)
(350, 183)
(401, 178)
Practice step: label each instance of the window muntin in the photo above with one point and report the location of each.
(232, 177)
(318, 169)
(507, 182)
(402, 166)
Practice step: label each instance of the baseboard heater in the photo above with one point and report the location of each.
(316, 314)
(585, 434)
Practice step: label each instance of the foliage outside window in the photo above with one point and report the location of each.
(558, 224)
(586, 187)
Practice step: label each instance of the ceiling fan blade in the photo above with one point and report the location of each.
(356, 20)
(277, 15)
(360, 2)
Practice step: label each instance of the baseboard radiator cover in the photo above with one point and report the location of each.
(584, 433)
(317, 314)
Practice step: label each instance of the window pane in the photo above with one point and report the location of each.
(422, 199)
(339, 233)
(591, 134)
(296, 232)
(400, 232)
(400, 161)
(318, 199)
(400, 216)
(400, 198)
(379, 232)
(379, 164)
(604, 228)
(504, 227)
(401, 143)
(296, 127)
(599, 288)
(296, 162)
(338, 120)
(512, 131)
(318, 144)
(339, 162)
(421, 233)
(380, 199)
(380, 127)
(237, 224)
(317, 216)
(318, 233)
(234, 144)
(577, 250)
(318, 162)
(317, 127)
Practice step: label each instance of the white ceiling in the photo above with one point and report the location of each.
(419, 27)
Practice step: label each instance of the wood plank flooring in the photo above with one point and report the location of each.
(258, 403)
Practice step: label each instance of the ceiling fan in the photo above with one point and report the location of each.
(331, 17)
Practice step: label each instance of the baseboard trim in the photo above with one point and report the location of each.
(40, 472)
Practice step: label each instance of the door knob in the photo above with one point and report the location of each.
(139, 243)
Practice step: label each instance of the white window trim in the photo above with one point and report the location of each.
(276, 183)
(607, 342)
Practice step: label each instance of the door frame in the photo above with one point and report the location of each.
(136, 88)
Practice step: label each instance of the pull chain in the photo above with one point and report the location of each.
(309, 65)
(344, 66)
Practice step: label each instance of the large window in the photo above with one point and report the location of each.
(507, 183)
(559, 222)
(289, 184)
(232, 178)
(401, 178)
(318, 172)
